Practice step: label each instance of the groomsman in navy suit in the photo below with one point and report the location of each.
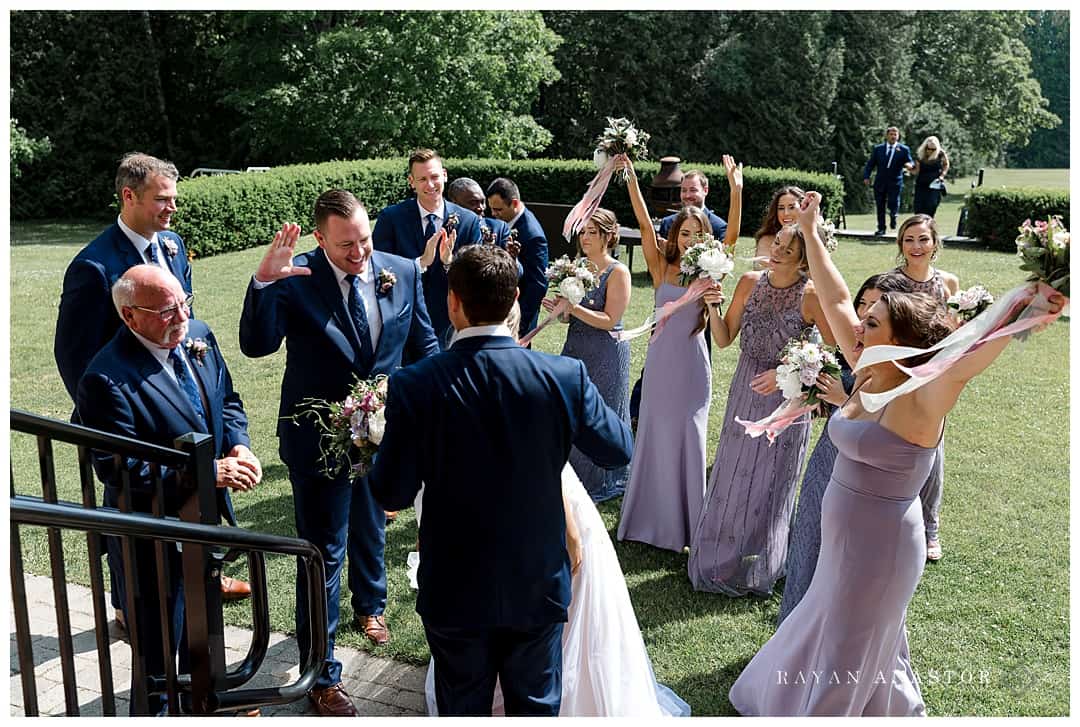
(504, 198)
(487, 425)
(890, 159)
(693, 190)
(159, 377)
(348, 313)
(421, 229)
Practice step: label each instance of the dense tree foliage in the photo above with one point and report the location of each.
(1048, 40)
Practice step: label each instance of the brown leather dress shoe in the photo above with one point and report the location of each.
(374, 628)
(233, 589)
(332, 701)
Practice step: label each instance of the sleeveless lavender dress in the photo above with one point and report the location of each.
(608, 364)
(740, 543)
(930, 494)
(844, 649)
(667, 474)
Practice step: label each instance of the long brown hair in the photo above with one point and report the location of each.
(770, 223)
(671, 248)
(919, 320)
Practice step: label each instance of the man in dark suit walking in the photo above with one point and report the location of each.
(890, 159)
(504, 198)
(494, 423)
(159, 377)
(348, 313)
(422, 229)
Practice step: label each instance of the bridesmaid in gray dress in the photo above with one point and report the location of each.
(741, 538)
(588, 339)
(844, 649)
(919, 245)
(804, 542)
(667, 472)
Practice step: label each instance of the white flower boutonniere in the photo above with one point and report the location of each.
(196, 350)
(170, 246)
(387, 280)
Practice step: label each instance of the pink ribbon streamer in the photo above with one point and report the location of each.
(780, 419)
(588, 204)
(659, 318)
(1016, 311)
(561, 307)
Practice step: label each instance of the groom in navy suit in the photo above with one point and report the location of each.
(487, 425)
(161, 376)
(348, 313)
(890, 160)
(421, 229)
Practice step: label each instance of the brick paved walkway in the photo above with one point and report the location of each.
(379, 687)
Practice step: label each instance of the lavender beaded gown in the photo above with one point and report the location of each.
(608, 364)
(844, 649)
(667, 474)
(740, 543)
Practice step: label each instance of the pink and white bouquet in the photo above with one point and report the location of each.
(966, 304)
(620, 137)
(571, 280)
(707, 259)
(351, 429)
(801, 362)
(1044, 249)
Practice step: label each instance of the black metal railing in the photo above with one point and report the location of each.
(208, 687)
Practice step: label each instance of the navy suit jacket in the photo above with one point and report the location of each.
(323, 350)
(87, 318)
(888, 175)
(719, 226)
(126, 391)
(487, 425)
(534, 261)
(398, 231)
(501, 231)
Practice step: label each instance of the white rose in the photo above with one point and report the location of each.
(715, 263)
(631, 137)
(811, 353)
(1060, 240)
(789, 383)
(376, 425)
(585, 276)
(572, 290)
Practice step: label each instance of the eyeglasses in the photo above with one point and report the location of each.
(931, 148)
(167, 314)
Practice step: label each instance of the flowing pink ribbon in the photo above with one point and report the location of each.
(588, 204)
(657, 319)
(1014, 312)
(780, 419)
(561, 307)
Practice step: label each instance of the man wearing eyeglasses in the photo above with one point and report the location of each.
(161, 376)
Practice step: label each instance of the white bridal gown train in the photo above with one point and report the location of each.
(606, 669)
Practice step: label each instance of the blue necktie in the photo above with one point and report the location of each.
(432, 226)
(359, 319)
(155, 256)
(891, 148)
(187, 383)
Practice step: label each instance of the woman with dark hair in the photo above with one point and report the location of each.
(918, 247)
(849, 628)
(804, 542)
(782, 208)
(740, 539)
(931, 166)
(667, 474)
(588, 339)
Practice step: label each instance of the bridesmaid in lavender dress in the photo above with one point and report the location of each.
(843, 650)
(919, 245)
(667, 473)
(588, 339)
(740, 543)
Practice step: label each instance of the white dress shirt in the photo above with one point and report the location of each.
(474, 331)
(367, 298)
(142, 245)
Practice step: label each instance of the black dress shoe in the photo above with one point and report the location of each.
(879, 233)
(892, 223)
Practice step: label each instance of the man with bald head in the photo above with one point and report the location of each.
(162, 376)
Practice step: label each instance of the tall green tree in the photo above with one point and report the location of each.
(314, 85)
(1047, 38)
(25, 150)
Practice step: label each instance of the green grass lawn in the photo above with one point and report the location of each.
(997, 604)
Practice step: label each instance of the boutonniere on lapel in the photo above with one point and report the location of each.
(487, 237)
(196, 350)
(452, 221)
(170, 246)
(387, 281)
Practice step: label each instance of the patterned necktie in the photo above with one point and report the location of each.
(432, 226)
(360, 320)
(187, 383)
(155, 256)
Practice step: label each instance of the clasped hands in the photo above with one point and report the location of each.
(550, 304)
(240, 470)
(441, 241)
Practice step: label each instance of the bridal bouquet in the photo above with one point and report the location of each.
(1044, 249)
(351, 429)
(620, 137)
(571, 280)
(966, 304)
(801, 362)
(705, 259)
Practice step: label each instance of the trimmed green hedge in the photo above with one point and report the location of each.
(995, 215)
(238, 211)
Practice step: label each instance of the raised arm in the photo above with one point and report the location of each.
(832, 292)
(654, 259)
(735, 186)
